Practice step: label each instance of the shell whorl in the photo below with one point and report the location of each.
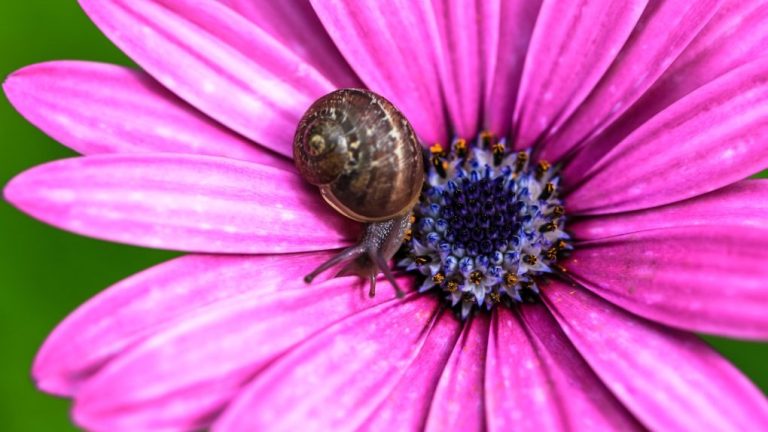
(362, 153)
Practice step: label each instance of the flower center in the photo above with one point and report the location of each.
(489, 224)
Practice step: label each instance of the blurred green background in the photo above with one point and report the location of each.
(46, 273)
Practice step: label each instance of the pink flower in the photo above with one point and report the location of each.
(655, 111)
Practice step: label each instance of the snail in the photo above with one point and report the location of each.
(362, 153)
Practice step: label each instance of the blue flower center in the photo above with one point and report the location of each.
(488, 226)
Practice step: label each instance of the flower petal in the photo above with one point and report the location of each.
(459, 29)
(536, 381)
(407, 405)
(707, 140)
(295, 25)
(389, 45)
(665, 29)
(184, 375)
(507, 28)
(101, 108)
(742, 205)
(735, 36)
(572, 45)
(218, 61)
(139, 306)
(336, 379)
(706, 279)
(659, 374)
(181, 202)
(458, 401)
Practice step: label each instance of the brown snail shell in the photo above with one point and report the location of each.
(362, 153)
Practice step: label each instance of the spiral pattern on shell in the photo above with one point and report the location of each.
(362, 153)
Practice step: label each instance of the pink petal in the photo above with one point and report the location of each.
(572, 45)
(536, 381)
(507, 28)
(707, 279)
(459, 29)
(138, 307)
(665, 29)
(218, 61)
(295, 25)
(735, 36)
(181, 202)
(407, 405)
(742, 205)
(184, 375)
(390, 46)
(668, 379)
(101, 108)
(338, 378)
(707, 140)
(458, 400)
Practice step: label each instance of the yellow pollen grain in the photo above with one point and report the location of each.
(440, 165)
(530, 260)
(436, 149)
(487, 138)
(495, 297)
(510, 280)
(438, 278)
(552, 253)
(522, 158)
(461, 147)
(548, 227)
(542, 168)
(549, 189)
(452, 286)
(476, 277)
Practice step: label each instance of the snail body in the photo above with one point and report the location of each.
(362, 153)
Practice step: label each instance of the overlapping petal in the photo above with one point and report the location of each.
(743, 206)
(708, 279)
(337, 379)
(664, 30)
(535, 380)
(390, 47)
(736, 35)
(709, 139)
(138, 307)
(185, 374)
(459, 399)
(218, 61)
(98, 108)
(459, 32)
(505, 35)
(572, 45)
(407, 405)
(295, 25)
(181, 202)
(659, 374)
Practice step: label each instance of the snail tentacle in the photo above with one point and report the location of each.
(347, 254)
